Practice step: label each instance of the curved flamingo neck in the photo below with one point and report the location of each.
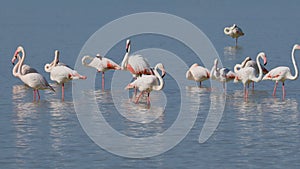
(84, 60)
(260, 75)
(161, 81)
(21, 62)
(15, 71)
(295, 66)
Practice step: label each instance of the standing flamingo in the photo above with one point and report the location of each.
(248, 74)
(61, 73)
(234, 31)
(197, 73)
(283, 73)
(102, 64)
(221, 74)
(25, 68)
(135, 64)
(34, 80)
(248, 62)
(147, 83)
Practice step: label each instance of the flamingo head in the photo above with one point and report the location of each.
(99, 56)
(161, 67)
(127, 45)
(264, 57)
(16, 54)
(296, 46)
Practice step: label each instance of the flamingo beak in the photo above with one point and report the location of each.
(265, 60)
(127, 46)
(163, 73)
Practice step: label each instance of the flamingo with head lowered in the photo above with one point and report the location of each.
(248, 74)
(32, 79)
(222, 75)
(61, 73)
(234, 31)
(101, 63)
(197, 73)
(283, 73)
(147, 83)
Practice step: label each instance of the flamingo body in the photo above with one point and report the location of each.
(197, 73)
(61, 73)
(283, 73)
(135, 64)
(221, 74)
(248, 74)
(148, 83)
(34, 80)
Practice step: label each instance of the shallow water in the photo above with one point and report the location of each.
(261, 132)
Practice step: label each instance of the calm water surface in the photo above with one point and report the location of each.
(262, 132)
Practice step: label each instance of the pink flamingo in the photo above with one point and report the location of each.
(234, 31)
(102, 64)
(248, 62)
(25, 68)
(283, 73)
(135, 64)
(61, 73)
(222, 75)
(147, 83)
(248, 74)
(197, 73)
(34, 80)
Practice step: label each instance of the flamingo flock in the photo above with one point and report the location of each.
(147, 79)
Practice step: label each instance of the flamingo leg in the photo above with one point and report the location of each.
(102, 80)
(252, 85)
(236, 41)
(283, 91)
(38, 94)
(62, 91)
(138, 98)
(148, 98)
(200, 84)
(274, 91)
(34, 95)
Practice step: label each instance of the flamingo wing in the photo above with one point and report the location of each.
(277, 74)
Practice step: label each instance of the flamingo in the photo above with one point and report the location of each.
(147, 83)
(283, 73)
(234, 31)
(61, 73)
(34, 80)
(221, 74)
(248, 74)
(25, 68)
(102, 64)
(248, 62)
(135, 64)
(197, 73)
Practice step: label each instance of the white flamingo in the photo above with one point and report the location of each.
(222, 75)
(61, 73)
(234, 31)
(34, 80)
(197, 73)
(135, 64)
(147, 83)
(25, 68)
(101, 63)
(248, 62)
(248, 74)
(283, 73)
